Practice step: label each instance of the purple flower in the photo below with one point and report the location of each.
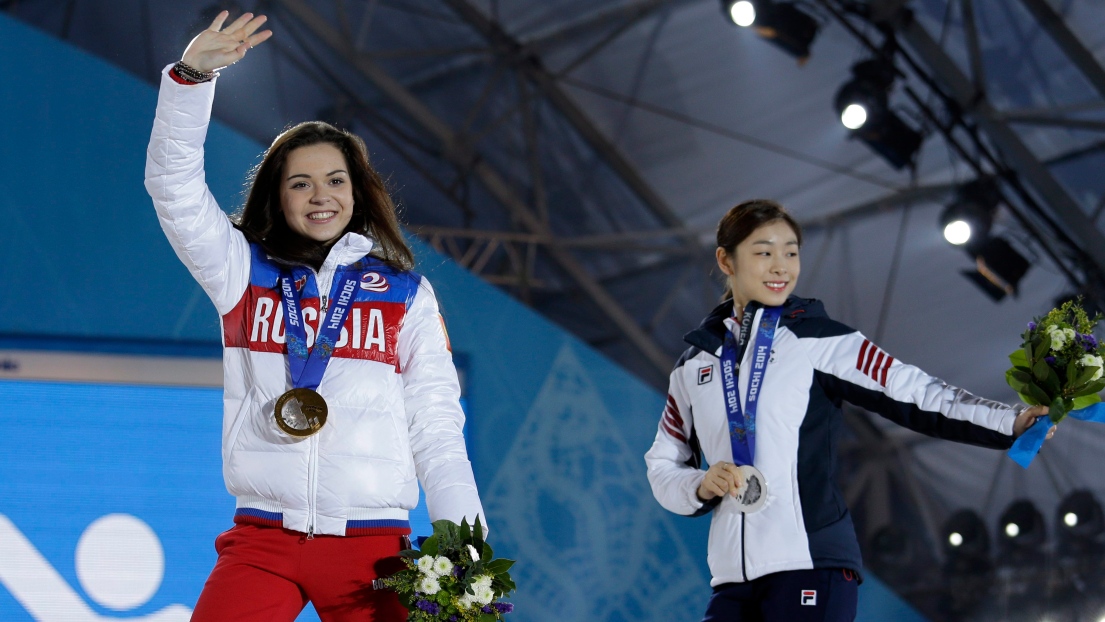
(1050, 360)
(485, 609)
(1032, 326)
(429, 607)
(503, 607)
(1089, 342)
(458, 571)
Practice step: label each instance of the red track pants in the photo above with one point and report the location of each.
(268, 574)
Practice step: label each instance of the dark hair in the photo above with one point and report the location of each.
(739, 223)
(262, 219)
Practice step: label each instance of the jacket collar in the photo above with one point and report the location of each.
(710, 334)
(351, 247)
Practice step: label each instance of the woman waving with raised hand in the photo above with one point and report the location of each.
(340, 393)
(757, 396)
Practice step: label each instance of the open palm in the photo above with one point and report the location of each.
(218, 47)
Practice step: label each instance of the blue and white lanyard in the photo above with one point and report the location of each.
(308, 366)
(742, 423)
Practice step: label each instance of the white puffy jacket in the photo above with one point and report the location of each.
(393, 395)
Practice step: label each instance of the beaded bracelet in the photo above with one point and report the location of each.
(192, 74)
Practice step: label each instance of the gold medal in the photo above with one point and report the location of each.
(300, 412)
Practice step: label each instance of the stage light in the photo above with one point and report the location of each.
(1023, 526)
(965, 534)
(864, 108)
(1081, 516)
(971, 215)
(854, 116)
(743, 13)
(957, 232)
(781, 23)
(999, 268)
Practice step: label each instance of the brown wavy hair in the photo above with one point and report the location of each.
(262, 221)
(742, 220)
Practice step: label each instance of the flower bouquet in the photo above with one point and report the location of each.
(453, 577)
(1059, 365)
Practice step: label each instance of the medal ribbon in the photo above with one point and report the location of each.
(307, 366)
(742, 422)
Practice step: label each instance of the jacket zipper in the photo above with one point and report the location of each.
(744, 573)
(312, 462)
(312, 487)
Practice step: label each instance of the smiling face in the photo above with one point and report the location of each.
(316, 195)
(764, 267)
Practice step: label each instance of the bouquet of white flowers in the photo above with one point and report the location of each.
(1059, 365)
(453, 577)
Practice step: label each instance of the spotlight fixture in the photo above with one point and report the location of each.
(1079, 518)
(967, 220)
(863, 104)
(781, 23)
(965, 535)
(1022, 527)
(999, 268)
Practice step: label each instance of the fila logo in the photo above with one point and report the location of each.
(873, 362)
(809, 598)
(705, 374)
(373, 282)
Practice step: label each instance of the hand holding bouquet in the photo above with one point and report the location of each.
(1059, 364)
(453, 577)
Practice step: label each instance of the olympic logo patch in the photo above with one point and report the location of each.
(373, 282)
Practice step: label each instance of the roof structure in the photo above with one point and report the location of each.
(579, 154)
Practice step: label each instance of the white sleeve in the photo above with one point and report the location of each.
(670, 461)
(431, 396)
(203, 237)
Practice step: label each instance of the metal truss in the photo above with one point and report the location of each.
(513, 258)
(981, 136)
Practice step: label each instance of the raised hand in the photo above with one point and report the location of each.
(218, 47)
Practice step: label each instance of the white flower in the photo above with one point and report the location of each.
(1059, 337)
(1090, 360)
(426, 565)
(466, 600)
(482, 581)
(474, 553)
(442, 566)
(484, 595)
(429, 586)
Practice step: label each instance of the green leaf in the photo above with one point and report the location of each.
(465, 531)
(429, 547)
(477, 534)
(1084, 401)
(499, 566)
(1093, 388)
(1019, 359)
(1051, 383)
(411, 554)
(1038, 394)
(486, 617)
(1040, 370)
(1057, 410)
(1042, 347)
(1072, 371)
(1084, 377)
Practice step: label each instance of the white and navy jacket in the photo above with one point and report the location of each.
(391, 387)
(815, 364)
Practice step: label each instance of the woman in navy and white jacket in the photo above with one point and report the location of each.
(320, 516)
(796, 558)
